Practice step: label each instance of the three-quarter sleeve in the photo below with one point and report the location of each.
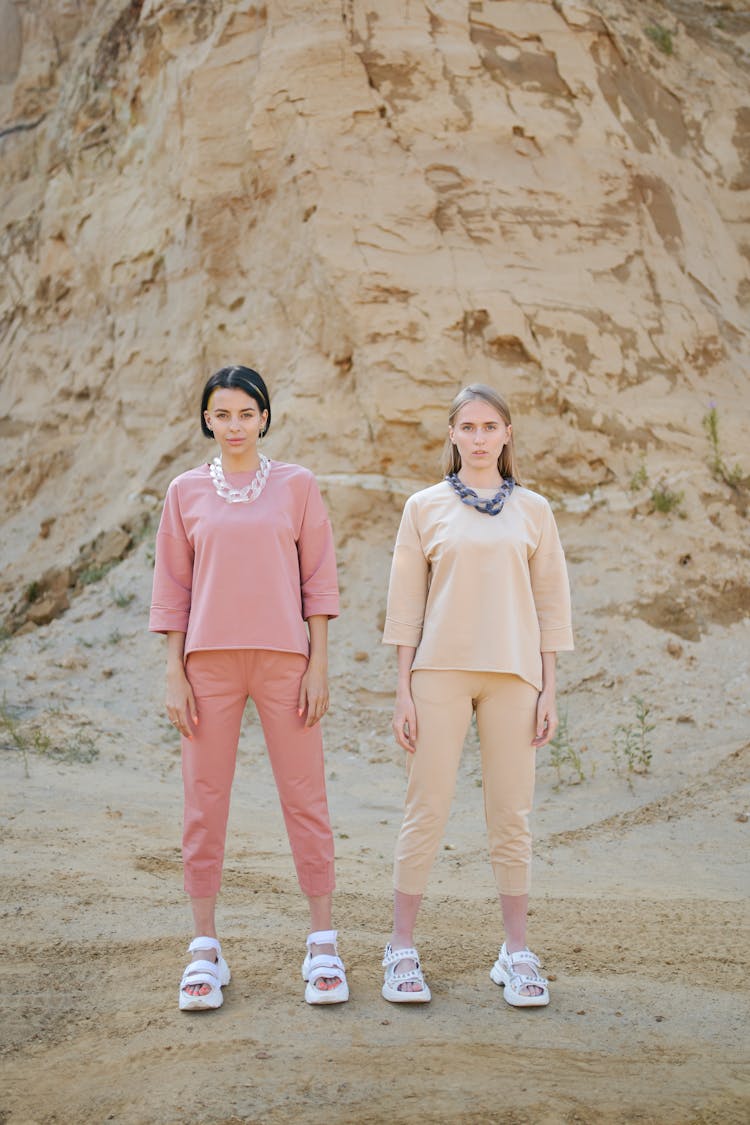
(408, 586)
(317, 558)
(173, 570)
(551, 589)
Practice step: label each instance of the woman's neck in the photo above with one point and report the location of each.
(480, 478)
(248, 462)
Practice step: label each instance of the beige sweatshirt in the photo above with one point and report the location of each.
(476, 592)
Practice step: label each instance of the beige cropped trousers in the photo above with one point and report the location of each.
(505, 706)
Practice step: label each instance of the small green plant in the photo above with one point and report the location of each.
(564, 756)
(33, 590)
(632, 743)
(661, 36)
(79, 748)
(639, 478)
(32, 738)
(94, 573)
(719, 467)
(9, 726)
(114, 637)
(123, 600)
(665, 499)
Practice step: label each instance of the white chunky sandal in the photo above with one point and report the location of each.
(324, 965)
(215, 974)
(503, 972)
(392, 979)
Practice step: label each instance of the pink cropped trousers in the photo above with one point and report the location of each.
(505, 706)
(222, 682)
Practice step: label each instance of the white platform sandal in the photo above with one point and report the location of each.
(215, 974)
(392, 979)
(503, 972)
(324, 965)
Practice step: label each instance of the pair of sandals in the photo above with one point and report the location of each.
(216, 974)
(504, 972)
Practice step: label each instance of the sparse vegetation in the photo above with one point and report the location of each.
(122, 600)
(639, 478)
(661, 36)
(32, 591)
(147, 531)
(631, 748)
(95, 573)
(731, 476)
(665, 499)
(9, 727)
(31, 738)
(564, 756)
(114, 637)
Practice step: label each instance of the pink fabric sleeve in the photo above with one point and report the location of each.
(317, 558)
(173, 571)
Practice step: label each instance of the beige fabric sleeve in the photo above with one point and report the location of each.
(408, 586)
(551, 590)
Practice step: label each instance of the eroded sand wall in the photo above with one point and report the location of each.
(372, 203)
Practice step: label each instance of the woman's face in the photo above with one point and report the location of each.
(236, 420)
(479, 433)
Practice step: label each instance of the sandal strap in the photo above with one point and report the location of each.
(200, 972)
(521, 979)
(521, 956)
(204, 943)
(411, 976)
(322, 937)
(517, 983)
(325, 965)
(393, 956)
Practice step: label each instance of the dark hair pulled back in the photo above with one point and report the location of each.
(245, 379)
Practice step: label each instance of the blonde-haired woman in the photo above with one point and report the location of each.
(478, 605)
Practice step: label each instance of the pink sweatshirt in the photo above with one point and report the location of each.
(244, 575)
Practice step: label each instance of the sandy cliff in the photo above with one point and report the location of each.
(372, 205)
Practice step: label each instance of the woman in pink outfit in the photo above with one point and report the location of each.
(244, 561)
(478, 606)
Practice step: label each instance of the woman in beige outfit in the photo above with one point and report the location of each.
(478, 605)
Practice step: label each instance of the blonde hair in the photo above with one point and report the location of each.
(506, 462)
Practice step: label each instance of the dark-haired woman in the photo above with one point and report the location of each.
(478, 605)
(244, 558)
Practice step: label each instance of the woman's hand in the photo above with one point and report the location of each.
(405, 722)
(546, 718)
(180, 701)
(313, 692)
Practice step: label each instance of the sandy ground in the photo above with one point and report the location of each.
(639, 906)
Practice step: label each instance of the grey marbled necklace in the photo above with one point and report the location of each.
(492, 505)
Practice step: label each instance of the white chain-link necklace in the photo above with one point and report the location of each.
(244, 495)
